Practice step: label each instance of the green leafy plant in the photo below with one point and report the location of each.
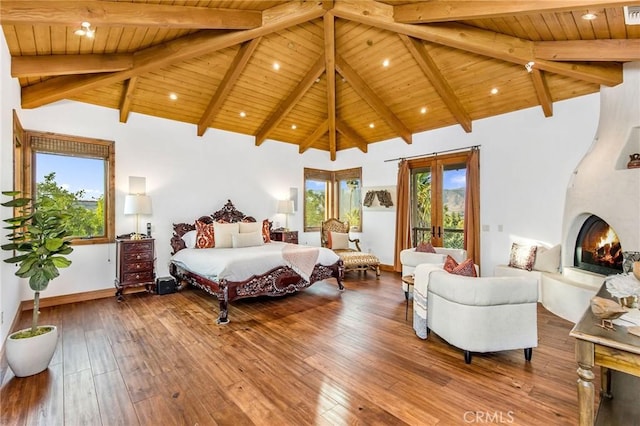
(39, 240)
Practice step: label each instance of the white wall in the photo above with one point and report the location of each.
(9, 99)
(526, 161)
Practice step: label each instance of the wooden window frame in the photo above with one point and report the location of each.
(332, 207)
(74, 146)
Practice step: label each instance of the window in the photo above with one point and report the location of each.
(77, 173)
(438, 187)
(330, 194)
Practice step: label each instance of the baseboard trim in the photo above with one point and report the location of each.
(69, 298)
(386, 268)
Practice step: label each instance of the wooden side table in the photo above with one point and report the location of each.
(134, 265)
(408, 280)
(285, 236)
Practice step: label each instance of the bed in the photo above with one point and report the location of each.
(236, 272)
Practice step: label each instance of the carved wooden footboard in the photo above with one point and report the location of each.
(276, 282)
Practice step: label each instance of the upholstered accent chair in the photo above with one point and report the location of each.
(410, 258)
(484, 314)
(334, 234)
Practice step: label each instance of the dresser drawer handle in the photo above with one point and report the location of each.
(138, 257)
(137, 276)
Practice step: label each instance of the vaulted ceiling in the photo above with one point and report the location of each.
(348, 73)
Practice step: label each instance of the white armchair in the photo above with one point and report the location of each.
(410, 258)
(485, 314)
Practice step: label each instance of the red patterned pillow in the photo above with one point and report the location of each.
(266, 235)
(466, 268)
(204, 235)
(425, 247)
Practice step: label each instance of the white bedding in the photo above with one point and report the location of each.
(240, 264)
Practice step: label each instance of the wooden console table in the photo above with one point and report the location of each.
(610, 350)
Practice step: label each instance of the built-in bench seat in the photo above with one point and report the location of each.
(565, 294)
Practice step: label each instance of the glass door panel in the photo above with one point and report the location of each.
(454, 186)
(421, 219)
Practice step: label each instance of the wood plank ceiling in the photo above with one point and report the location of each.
(331, 90)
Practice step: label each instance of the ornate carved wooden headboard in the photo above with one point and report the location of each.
(227, 214)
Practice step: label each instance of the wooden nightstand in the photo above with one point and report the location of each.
(285, 236)
(134, 265)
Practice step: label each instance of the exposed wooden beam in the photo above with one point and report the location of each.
(542, 92)
(153, 58)
(122, 14)
(54, 65)
(228, 81)
(588, 50)
(330, 66)
(455, 10)
(328, 4)
(438, 81)
(317, 134)
(475, 40)
(127, 97)
(352, 135)
(369, 96)
(287, 105)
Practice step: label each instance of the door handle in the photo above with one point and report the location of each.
(433, 231)
(439, 232)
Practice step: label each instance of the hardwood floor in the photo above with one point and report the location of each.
(316, 357)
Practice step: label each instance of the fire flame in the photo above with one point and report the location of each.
(609, 238)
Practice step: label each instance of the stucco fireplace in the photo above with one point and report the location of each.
(602, 186)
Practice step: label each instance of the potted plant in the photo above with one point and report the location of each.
(39, 240)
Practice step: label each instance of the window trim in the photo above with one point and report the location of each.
(25, 153)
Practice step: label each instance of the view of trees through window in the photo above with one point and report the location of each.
(438, 215)
(87, 215)
(332, 194)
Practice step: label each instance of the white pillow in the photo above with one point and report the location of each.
(223, 233)
(250, 227)
(247, 239)
(339, 240)
(547, 259)
(190, 239)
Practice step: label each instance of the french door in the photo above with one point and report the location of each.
(438, 188)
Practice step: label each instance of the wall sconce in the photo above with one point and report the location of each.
(285, 207)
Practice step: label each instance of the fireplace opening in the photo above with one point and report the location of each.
(598, 248)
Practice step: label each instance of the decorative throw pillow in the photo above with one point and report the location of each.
(190, 239)
(247, 239)
(204, 235)
(449, 264)
(338, 240)
(245, 227)
(224, 233)
(522, 257)
(266, 231)
(425, 247)
(547, 259)
(466, 268)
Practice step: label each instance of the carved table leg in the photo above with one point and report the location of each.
(586, 393)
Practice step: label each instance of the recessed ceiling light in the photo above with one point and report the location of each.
(173, 96)
(423, 110)
(276, 66)
(385, 63)
(494, 91)
(293, 127)
(371, 125)
(589, 16)
(85, 30)
(243, 114)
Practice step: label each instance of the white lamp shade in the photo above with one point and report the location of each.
(285, 206)
(137, 204)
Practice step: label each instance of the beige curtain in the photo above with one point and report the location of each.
(403, 231)
(472, 207)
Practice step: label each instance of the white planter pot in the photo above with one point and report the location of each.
(27, 357)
